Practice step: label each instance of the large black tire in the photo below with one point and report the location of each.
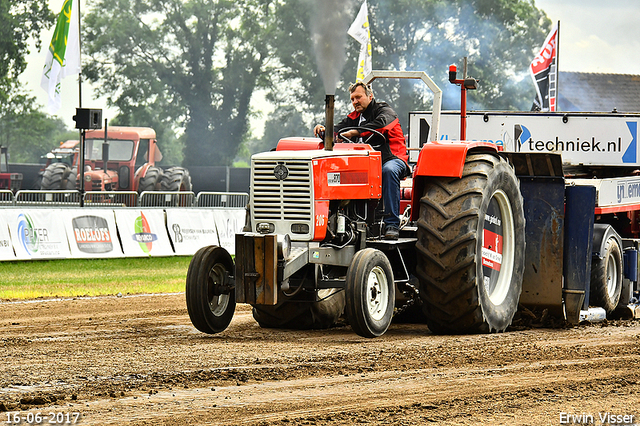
(73, 178)
(302, 315)
(370, 293)
(151, 180)
(210, 305)
(58, 176)
(606, 277)
(176, 179)
(470, 248)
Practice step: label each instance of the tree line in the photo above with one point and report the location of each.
(194, 69)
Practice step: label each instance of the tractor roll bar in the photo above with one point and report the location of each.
(419, 75)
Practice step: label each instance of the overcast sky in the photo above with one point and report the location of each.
(595, 36)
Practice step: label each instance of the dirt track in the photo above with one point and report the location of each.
(138, 361)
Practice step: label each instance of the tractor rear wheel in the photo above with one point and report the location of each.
(151, 180)
(470, 248)
(176, 179)
(72, 179)
(302, 315)
(210, 301)
(58, 176)
(606, 277)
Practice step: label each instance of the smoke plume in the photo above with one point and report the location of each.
(330, 21)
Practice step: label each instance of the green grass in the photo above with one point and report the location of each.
(92, 277)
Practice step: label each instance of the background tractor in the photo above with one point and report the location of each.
(60, 170)
(123, 161)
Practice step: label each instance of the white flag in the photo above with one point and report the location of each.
(360, 31)
(63, 55)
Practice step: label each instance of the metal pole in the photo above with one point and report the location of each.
(81, 167)
(463, 102)
(81, 132)
(558, 68)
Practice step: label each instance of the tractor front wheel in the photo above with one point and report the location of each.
(370, 293)
(211, 301)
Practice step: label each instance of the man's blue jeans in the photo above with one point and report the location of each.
(392, 171)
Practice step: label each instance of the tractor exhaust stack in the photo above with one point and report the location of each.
(328, 131)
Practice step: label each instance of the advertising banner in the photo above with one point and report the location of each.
(92, 233)
(143, 233)
(581, 138)
(37, 234)
(6, 248)
(191, 229)
(229, 222)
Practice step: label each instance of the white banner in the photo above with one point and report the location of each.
(92, 233)
(37, 234)
(229, 223)
(585, 138)
(6, 248)
(191, 229)
(143, 233)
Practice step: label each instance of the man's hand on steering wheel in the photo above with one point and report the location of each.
(349, 132)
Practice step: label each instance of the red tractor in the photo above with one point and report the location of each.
(124, 161)
(313, 251)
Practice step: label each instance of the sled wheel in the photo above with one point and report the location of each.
(370, 293)
(470, 248)
(210, 302)
(302, 315)
(606, 277)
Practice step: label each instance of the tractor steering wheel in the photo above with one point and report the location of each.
(360, 129)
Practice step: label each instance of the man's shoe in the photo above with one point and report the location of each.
(391, 233)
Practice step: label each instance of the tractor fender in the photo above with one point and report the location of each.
(140, 173)
(601, 233)
(442, 159)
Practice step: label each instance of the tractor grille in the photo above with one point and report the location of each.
(288, 199)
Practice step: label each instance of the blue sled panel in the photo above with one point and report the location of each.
(542, 187)
(544, 216)
(581, 201)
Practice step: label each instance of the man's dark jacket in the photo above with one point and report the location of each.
(381, 117)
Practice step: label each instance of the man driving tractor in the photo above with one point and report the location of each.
(378, 116)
